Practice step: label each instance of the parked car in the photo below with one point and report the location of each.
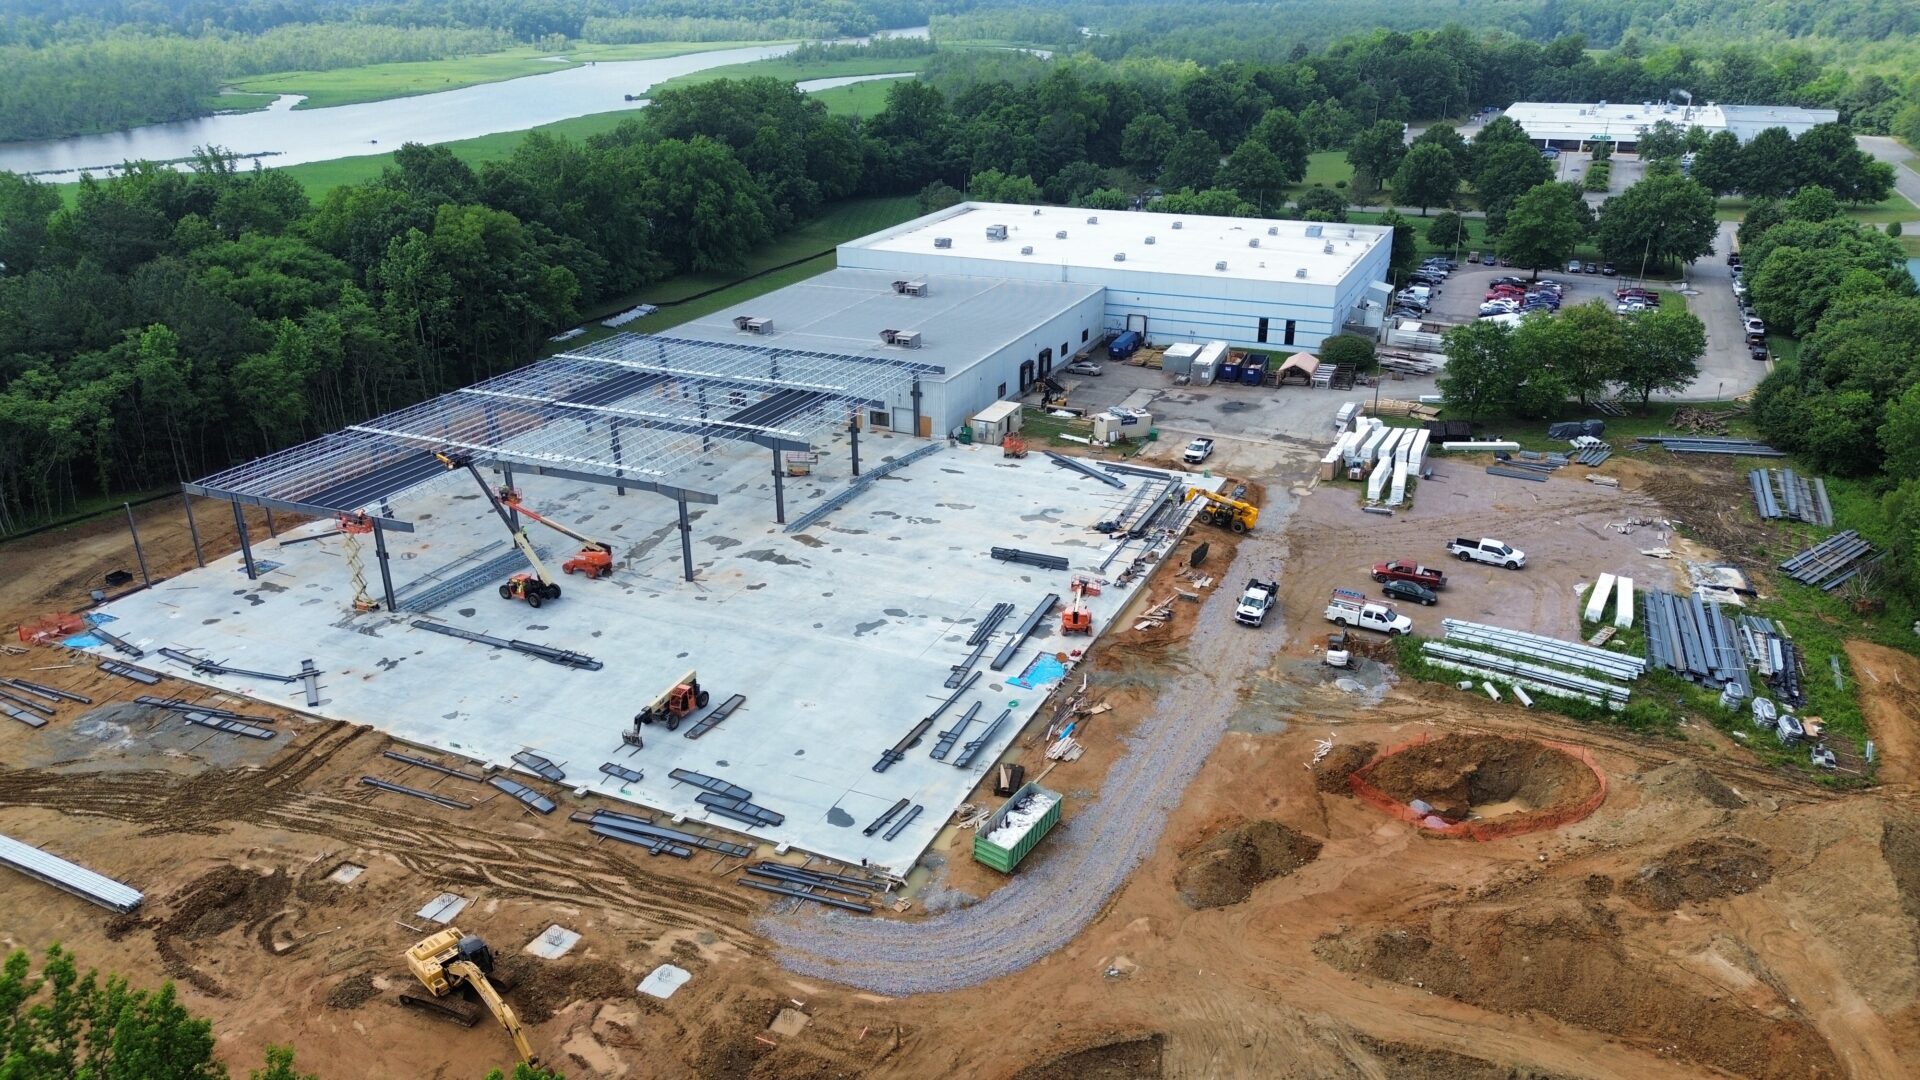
(1407, 590)
(1609, 269)
(1488, 551)
(1590, 268)
(1758, 352)
(1402, 570)
(1198, 451)
(1084, 367)
(1255, 601)
(1488, 259)
(1508, 279)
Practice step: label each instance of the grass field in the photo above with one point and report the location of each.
(789, 71)
(1894, 208)
(319, 177)
(378, 82)
(1324, 169)
(860, 99)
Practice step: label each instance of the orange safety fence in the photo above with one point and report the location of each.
(1516, 825)
(52, 629)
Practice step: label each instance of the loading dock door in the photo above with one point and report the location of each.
(1138, 324)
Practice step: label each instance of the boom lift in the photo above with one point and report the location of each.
(595, 558)
(449, 963)
(535, 588)
(1075, 618)
(1226, 513)
(680, 701)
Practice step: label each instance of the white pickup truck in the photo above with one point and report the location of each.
(1350, 608)
(1255, 602)
(1198, 451)
(1488, 551)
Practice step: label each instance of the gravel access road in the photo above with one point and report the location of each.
(1089, 856)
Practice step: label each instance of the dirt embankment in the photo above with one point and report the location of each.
(1330, 773)
(1569, 961)
(1700, 870)
(1405, 1061)
(1226, 869)
(1134, 1059)
(1459, 774)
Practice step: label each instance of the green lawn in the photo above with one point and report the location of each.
(860, 99)
(1893, 208)
(790, 71)
(378, 82)
(237, 101)
(319, 177)
(1324, 169)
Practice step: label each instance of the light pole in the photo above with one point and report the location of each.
(1648, 250)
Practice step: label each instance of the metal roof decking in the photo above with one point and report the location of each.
(70, 877)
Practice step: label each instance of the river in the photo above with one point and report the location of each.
(281, 135)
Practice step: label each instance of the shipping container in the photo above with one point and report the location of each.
(1004, 859)
(1178, 359)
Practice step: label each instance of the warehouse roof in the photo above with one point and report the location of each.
(1624, 121)
(961, 320)
(1153, 243)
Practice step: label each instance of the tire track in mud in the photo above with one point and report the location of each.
(550, 868)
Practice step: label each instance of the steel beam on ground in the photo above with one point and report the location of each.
(1026, 628)
(69, 877)
(784, 891)
(1084, 469)
(402, 789)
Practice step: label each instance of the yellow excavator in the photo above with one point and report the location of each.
(1226, 513)
(450, 963)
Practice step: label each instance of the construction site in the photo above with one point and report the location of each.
(660, 708)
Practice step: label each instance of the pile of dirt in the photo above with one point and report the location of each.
(542, 988)
(352, 992)
(1399, 1060)
(1900, 846)
(1454, 774)
(1697, 871)
(1330, 773)
(1226, 869)
(1685, 781)
(214, 903)
(1570, 961)
(1134, 1059)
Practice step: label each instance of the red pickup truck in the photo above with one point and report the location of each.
(1401, 570)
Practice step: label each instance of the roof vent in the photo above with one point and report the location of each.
(1119, 256)
(1093, 221)
(906, 339)
(1255, 242)
(996, 232)
(910, 288)
(1314, 230)
(753, 324)
(1221, 265)
(1327, 249)
(1273, 230)
(1178, 224)
(1036, 211)
(1149, 239)
(1300, 273)
(943, 241)
(1061, 235)
(1028, 250)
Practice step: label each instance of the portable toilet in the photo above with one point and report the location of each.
(995, 422)
(1178, 359)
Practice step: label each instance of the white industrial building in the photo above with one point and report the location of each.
(988, 299)
(1572, 126)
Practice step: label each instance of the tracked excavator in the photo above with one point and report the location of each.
(1225, 512)
(450, 965)
(535, 588)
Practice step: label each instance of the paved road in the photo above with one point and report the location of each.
(1892, 151)
(1728, 369)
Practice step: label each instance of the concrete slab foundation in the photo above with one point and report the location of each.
(841, 635)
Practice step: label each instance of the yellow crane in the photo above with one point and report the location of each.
(1226, 513)
(448, 963)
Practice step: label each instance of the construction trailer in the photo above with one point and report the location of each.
(995, 422)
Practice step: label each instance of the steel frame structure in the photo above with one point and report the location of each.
(630, 411)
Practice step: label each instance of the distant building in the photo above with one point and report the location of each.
(1571, 126)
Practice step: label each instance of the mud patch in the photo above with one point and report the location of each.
(218, 901)
(352, 992)
(1226, 869)
(1134, 1059)
(1405, 1061)
(1330, 774)
(768, 555)
(1467, 776)
(542, 988)
(1900, 846)
(1704, 869)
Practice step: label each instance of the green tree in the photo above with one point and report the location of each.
(1506, 172)
(1376, 151)
(1280, 132)
(1146, 142)
(1427, 177)
(1770, 165)
(1192, 162)
(707, 211)
(1657, 221)
(1255, 172)
(1321, 204)
(1105, 199)
(1501, 131)
(1354, 351)
(1812, 203)
(26, 208)
(1900, 435)
(1328, 125)
(1660, 351)
(1479, 360)
(1893, 230)
(1543, 228)
(1449, 138)
(1447, 230)
(1662, 141)
(995, 186)
(62, 1024)
(1069, 184)
(524, 1071)
(1218, 202)
(1717, 166)
(280, 1066)
(938, 195)
(1582, 345)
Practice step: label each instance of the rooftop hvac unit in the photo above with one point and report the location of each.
(1314, 230)
(906, 339)
(1119, 256)
(1061, 235)
(1028, 250)
(1178, 224)
(1255, 242)
(910, 288)
(1327, 248)
(753, 324)
(1036, 211)
(943, 241)
(1221, 265)
(1273, 230)
(1149, 239)
(1300, 273)
(996, 232)
(1093, 221)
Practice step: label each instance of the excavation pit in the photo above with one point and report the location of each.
(1482, 787)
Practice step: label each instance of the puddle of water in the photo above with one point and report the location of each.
(837, 816)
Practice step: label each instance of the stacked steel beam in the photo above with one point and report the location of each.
(1693, 638)
(1694, 444)
(1798, 498)
(1832, 562)
(1541, 664)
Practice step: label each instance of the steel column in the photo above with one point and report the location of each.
(779, 492)
(193, 530)
(853, 434)
(686, 541)
(386, 573)
(613, 434)
(138, 553)
(270, 531)
(246, 549)
(916, 406)
(506, 477)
